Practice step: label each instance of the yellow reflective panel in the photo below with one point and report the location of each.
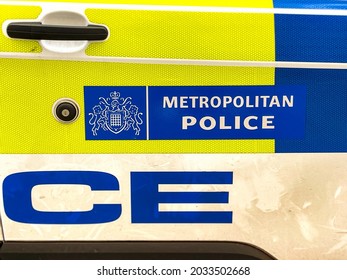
(29, 89)
(18, 13)
(185, 35)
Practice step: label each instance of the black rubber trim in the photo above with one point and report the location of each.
(39, 31)
(140, 250)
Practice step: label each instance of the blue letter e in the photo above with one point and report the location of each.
(18, 203)
(146, 197)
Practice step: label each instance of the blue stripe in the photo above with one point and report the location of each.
(311, 38)
(326, 112)
(309, 4)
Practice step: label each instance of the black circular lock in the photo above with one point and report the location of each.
(65, 110)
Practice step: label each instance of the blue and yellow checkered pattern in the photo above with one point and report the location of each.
(30, 87)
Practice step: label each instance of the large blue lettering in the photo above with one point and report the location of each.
(146, 197)
(18, 203)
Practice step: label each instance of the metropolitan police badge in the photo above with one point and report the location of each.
(115, 114)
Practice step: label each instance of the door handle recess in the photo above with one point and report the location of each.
(39, 31)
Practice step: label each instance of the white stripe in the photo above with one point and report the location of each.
(193, 207)
(164, 61)
(194, 188)
(68, 6)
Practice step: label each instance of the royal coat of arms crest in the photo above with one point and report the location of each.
(115, 114)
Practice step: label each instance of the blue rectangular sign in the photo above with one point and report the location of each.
(195, 112)
(227, 112)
